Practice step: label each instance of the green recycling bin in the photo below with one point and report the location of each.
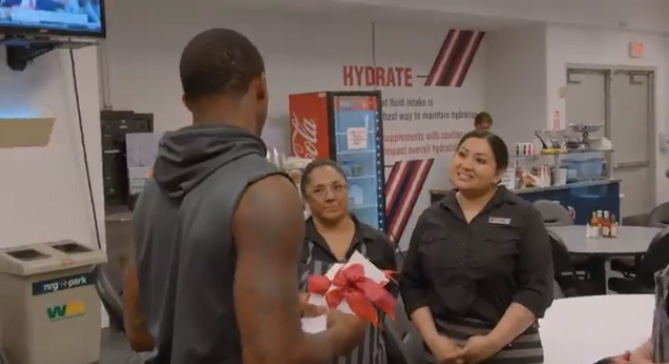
(50, 311)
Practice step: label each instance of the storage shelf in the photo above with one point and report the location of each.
(573, 152)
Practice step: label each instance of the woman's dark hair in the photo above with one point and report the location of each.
(306, 173)
(499, 150)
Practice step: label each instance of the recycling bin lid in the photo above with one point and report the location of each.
(48, 257)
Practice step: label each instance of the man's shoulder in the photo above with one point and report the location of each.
(146, 197)
(245, 171)
(250, 164)
(268, 199)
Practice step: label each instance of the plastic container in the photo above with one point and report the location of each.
(50, 310)
(584, 169)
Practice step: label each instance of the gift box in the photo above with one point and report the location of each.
(356, 287)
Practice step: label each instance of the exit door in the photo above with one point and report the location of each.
(585, 100)
(633, 141)
(622, 100)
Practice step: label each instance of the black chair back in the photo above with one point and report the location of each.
(655, 259)
(564, 272)
(404, 344)
(557, 290)
(561, 260)
(110, 296)
(659, 217)
(399, 259)
(553, 213)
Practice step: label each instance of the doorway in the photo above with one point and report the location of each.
(623, 100)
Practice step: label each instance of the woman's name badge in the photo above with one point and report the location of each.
(499, 220)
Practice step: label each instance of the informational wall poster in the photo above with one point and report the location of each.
(356, 138)
(432, 83)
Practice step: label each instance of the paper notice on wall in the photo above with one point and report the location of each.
(356, 138)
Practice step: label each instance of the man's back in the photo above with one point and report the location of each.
(185, 252)
(201, 292)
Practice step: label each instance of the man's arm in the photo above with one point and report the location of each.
(268, 229)
(135, 324)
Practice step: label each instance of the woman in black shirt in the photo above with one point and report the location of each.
(478, 273)
(332, 235)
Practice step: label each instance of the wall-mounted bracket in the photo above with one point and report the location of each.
(21, 50)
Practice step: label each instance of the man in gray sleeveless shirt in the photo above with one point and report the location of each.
(218, 229)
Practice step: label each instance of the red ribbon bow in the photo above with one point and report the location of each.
(359, 291)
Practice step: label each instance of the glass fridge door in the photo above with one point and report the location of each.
(358, 151)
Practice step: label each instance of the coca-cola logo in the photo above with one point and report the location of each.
(304, 137)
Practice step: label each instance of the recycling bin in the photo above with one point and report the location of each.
(50, 311)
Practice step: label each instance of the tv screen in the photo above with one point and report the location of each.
(63, 17)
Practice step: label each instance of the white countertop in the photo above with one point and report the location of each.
(582, 330)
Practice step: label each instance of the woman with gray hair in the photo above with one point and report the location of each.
(332, 235)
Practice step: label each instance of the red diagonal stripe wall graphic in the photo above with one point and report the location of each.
(403, 187)
(444, 54)
(455, 58)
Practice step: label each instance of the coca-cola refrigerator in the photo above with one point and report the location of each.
(345, 127)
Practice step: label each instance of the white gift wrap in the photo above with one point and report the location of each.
(314, 325)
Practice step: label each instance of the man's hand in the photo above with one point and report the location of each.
(620, 359)
(138, 335)
(349, 329)
(480, 348)
(630, 358)
(309, 310)
(636, 359)
(445, 351)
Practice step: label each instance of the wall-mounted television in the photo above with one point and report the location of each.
(81, 18)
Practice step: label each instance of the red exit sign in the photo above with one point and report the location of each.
(636, 49)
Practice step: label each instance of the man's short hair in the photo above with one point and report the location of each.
(219, 61)
(482, 117)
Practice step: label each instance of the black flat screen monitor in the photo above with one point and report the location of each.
(83, 18)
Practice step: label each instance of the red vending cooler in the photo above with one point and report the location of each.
(345, 127)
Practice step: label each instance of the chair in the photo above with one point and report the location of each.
(557, 290)
(404, 344)
(553, 213)
(399, 259)
(563, 269)
(655, 259)
(625, 265)
(571, 283)
(110, 295)
(659, 217)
